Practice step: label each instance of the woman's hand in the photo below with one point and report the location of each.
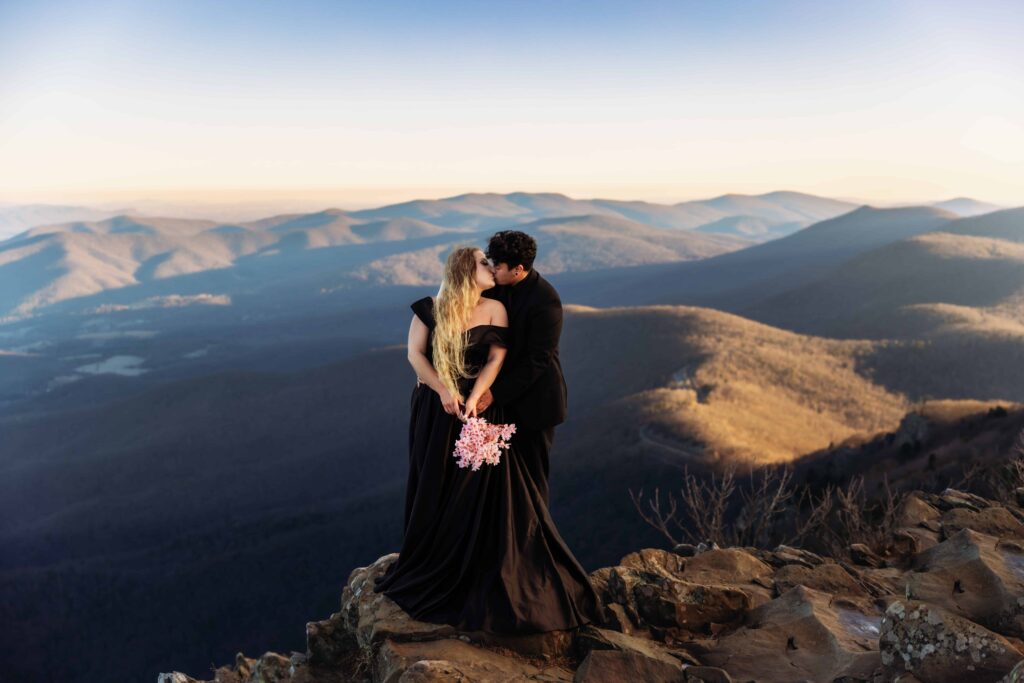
(449, 402)
(471, 407)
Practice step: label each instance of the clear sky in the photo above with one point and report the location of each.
(360, 102)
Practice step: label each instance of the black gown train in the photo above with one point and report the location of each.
(480, 551)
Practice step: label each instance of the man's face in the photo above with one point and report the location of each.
(504, 276)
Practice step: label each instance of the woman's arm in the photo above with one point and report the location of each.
(496, 356)
(487, 373)
(416, 351)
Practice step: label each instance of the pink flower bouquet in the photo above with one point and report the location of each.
(481, 442)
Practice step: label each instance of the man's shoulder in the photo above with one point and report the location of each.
(547, 291)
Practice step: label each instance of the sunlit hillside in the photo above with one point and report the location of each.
(715, 387)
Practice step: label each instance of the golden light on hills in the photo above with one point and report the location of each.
(718, 386)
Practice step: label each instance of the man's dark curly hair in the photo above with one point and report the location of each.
(512, 247)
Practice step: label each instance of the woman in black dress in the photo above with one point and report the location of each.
(480, 551)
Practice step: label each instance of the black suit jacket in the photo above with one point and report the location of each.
(530, 385)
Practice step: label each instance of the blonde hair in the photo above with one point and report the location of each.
(456, 299)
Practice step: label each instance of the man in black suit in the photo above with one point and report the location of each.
(530, 385)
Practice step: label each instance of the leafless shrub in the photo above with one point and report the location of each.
(861, 519)
(716, 509)
(706, 504)
(1001, 480)
(1016, 466)
(769, 509)
(974, 471)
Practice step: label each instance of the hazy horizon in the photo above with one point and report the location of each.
(369, 104)
(257, 202)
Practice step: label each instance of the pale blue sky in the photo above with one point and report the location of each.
(664, 101)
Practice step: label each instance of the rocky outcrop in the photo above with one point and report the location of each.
(943, 601)
(940, 647)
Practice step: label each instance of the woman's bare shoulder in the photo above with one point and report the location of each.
(493, 305)
(496, 309)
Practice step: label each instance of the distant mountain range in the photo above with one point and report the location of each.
(966, 207)
(878, 273)
(47, 264)
(16, 218)
(785, 211)
(400, 244)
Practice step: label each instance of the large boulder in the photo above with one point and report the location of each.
(913, 511)
(937, 646)
(733, 567)
(371, 617)
(828, 577)
(592, 638)
(663, 607)
(975, 576)
(994, 521)
(655, 561)
(617, 666)
(451, 658)
(802, 635)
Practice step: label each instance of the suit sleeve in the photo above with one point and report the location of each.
(544, 330)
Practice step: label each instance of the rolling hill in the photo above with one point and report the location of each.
(966, 207)
(740, 280)
(966, 277)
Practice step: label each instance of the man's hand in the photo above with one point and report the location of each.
(486, 400)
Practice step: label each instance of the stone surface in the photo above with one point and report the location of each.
(706, 674)
(994, 521)
(590, 638)
(683, 608)
(617, 666)
(1016, 674)
(940, 647)
(784, 554)
(372, 617)
(802, 635)
(452, 657)
(828, 577)
(952, 574)
(655, 561)
(666, 596)
(865, 556)
(913, 511)
(973, 576)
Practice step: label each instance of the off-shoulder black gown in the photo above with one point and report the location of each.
(480, 550)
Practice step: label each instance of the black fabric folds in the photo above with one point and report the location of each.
(480, 550)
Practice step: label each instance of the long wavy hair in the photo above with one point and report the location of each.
(456, 299)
